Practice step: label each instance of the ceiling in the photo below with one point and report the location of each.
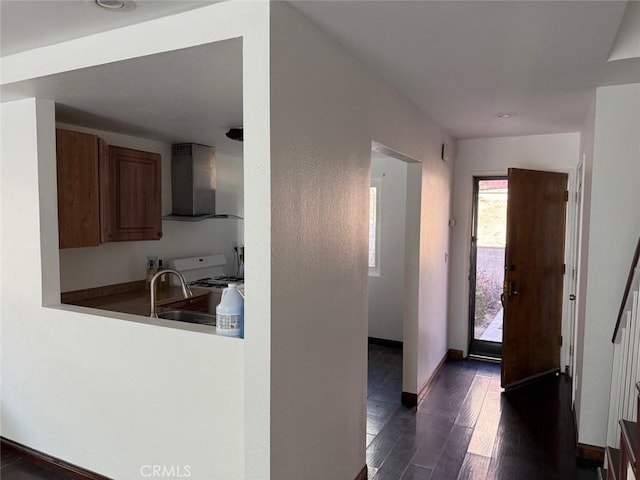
(195, 95)
(461, 62)
(28, 24)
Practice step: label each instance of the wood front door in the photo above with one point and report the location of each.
(534, 272)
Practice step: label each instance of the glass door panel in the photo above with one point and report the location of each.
(487, 264)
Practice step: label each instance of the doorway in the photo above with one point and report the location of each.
(394, 243)
(488, 243)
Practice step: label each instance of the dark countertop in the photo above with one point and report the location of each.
(132, 297)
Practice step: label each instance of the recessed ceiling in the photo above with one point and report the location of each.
(28, 24)
(190, 95)
(463, 62)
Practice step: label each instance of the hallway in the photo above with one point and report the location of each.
(466, 428)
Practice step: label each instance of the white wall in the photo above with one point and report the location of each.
(119, 262)
(614, 228)
(326, 109)
(493, 156)
(386, 291)
(111, 393)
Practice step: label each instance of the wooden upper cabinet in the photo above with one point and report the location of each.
(135, 191)
(78, 189)
(106, 193)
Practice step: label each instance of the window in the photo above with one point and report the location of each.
(374, 226)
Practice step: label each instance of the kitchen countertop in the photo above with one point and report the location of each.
(132, 297)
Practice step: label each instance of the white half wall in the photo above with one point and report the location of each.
(111, 393)
(108, 394)
(485, 157)
(386, 291)
(614, 228)
(326, 109)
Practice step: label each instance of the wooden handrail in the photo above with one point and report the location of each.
(627, 289)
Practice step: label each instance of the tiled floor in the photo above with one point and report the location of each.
(14, 467)
(466, 428)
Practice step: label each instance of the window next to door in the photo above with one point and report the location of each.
(374, 226)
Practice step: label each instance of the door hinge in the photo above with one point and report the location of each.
(566, 195)
(564, 268)
(571, 350)
(560, 340)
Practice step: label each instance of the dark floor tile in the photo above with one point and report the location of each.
(392, 382)
(375, 424)
(380, 408)
(23, 470)
(473, 402)
(7, 456)
(474, 467)
(428, 424)
(398, 459)
(430, 449)
(379, 449)
(453, 454)
(385, 394)
(415, 472)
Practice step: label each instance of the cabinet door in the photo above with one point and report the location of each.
(78, 190)
(135, 195)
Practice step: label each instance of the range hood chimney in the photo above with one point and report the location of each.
(193, 183)
(193, 180)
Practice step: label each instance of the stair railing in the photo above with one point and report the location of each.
(626, 356)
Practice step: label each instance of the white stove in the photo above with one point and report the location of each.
(206, 272)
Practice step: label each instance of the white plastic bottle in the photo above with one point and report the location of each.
(230, 312)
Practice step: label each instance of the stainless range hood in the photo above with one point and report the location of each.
(193, 183)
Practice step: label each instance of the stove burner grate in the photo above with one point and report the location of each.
(217, 282)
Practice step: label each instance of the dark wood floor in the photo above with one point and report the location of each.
(467, 427)
(14, 467)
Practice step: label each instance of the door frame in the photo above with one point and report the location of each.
(568, 327)
(572, 241)
(578, 207)
(478, 347)
(411, 266)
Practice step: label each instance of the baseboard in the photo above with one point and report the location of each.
(412, 399)
(455, 354)
(591, 453)
(575, 421)
(409, 399)
(364, 474)
(52, 463)
(385, 343)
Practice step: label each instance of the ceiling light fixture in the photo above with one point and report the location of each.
(116, 5)
(506, 114)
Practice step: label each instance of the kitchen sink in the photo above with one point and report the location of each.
(189, 317)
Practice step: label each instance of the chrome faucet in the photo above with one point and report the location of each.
(186, 291)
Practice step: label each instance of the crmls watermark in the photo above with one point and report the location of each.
(165, 471)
